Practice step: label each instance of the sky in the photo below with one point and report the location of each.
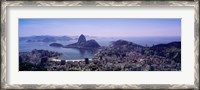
(100, 27)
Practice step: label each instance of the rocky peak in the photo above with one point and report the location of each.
(81, 39)
(121, 42)
(82, 43)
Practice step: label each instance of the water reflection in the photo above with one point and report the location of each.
(82, 53)
(77, 54)
(87, 53)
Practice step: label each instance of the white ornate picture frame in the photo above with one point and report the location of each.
(52, 4)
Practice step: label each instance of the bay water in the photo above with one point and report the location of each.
(79, 54)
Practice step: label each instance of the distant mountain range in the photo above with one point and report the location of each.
(81, 43)
(45, 38)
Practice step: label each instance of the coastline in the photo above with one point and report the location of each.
(119, 56)
(59, 60)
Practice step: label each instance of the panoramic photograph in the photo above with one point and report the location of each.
(99, 44)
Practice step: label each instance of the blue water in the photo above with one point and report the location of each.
(76, 54)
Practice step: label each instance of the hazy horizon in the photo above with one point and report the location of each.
(99, 36)
(98, 27)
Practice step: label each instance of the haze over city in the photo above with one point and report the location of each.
(106, 27)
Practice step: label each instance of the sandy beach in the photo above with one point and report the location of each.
(58, 60)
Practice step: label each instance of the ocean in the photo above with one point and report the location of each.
(79, 54)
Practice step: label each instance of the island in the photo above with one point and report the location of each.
(56, 45)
